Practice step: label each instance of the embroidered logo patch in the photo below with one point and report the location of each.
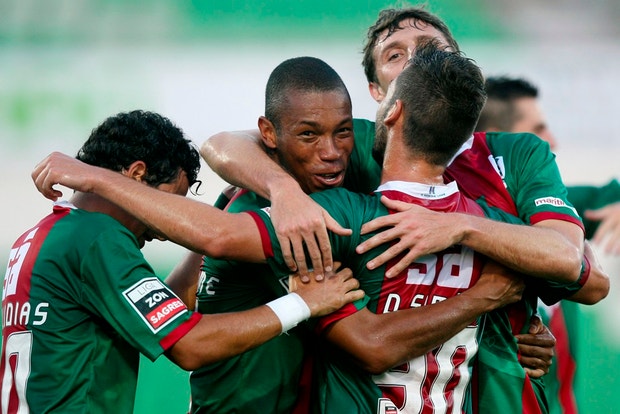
(154, 302)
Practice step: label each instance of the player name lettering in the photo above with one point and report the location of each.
(22, 314)
(394, 300)
(165, 310)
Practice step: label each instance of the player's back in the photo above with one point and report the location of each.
(56, 354)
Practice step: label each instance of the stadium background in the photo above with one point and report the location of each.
(66, 65)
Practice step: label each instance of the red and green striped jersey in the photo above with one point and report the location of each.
(79, 304)
(435, 382)
(518, 174)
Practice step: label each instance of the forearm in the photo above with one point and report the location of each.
(220, 336)
(597, 286)
(239, 158)
(195, 225)
(551, 249)
(378, 342)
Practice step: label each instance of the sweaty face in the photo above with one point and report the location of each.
(391, 53)
(315, 139)
(179, 186)
(531, 119)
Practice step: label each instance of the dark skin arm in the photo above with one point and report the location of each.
(378, 342)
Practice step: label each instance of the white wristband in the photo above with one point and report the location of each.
(290, 309)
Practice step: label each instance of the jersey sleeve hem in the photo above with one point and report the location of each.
(347, 310)
(180, 331)
(264, 234)
(547, 215)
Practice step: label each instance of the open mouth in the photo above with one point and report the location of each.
(332, 179)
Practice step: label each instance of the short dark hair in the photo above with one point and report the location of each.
(442, 94)
(142, 136)
(390, 20)
(301, 74)
(502, 92)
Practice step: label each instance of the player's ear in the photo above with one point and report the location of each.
(267, 132)
(377, 93)
(137, 171)
(394, 113)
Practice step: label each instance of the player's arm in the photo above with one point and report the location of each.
(183, 279)
(195, 225)
(551, 249)
(239, 158)
(596, 287)
(219, 336)
(378, 342)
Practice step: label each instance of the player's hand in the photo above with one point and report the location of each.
(299, 221)
(607, 234)
(497, 286)
(414, 229)
(536, 348)
(327, 295)
(58, 168)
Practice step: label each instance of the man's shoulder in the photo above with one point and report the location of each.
(244, 200)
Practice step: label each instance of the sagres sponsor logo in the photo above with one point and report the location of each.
(154, 302)
(553, 201)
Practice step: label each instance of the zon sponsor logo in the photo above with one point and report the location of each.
(154, 302)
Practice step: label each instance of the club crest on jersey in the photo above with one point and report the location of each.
(498, 165)
(154, 302)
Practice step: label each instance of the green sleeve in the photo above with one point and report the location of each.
(532, 177)
(121, 287)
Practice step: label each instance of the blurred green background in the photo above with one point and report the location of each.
(66, 65)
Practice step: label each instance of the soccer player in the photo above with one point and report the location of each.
(177, 217)
(307, 128)
(519, 176)
(80, 302)
(321, 133)
(512, 105)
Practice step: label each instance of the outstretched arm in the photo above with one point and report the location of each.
(195, 225)
(551, 249)
(239, 158)
(219, 336)
(378, 342)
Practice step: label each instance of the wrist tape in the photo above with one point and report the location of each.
(290, 309)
